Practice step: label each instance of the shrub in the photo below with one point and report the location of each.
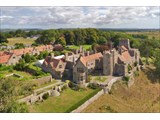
(136, 73)
(129, 68)
(135, 64)
(126, 78)
(93, 86)
(45, 96)
(83, 100)
(64, 87)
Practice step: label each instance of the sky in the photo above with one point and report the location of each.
(79, 17)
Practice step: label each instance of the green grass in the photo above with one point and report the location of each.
(141, 97)
(77, 47)
(12, 41)
(63, 103)
(44, 85)
(149, 34)
(99, 78)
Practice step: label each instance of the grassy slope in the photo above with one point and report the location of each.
(12, 41)
(61, 103)
(143, 96)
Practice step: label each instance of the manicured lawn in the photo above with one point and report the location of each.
(99, 78)
(12, 41)
(44, 85)
(62, 103)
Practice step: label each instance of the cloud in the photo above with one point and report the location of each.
(75, 16)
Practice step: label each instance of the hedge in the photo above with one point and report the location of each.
(83, 100)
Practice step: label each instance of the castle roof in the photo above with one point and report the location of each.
(125, 57)
(123, 47)
(86, 59)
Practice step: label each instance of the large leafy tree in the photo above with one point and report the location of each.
(47, 37)
(61, 41)
(3, 38)
(8, 93)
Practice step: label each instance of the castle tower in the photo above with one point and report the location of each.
(125, 42)
(107, 63)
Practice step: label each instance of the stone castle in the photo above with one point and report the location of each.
(116, 62)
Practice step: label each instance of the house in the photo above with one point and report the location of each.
(8, 58)
(85, 65)
(54, 66)
(11, 57)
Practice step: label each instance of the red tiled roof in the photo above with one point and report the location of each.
(28, 50)
(86, 59)
(41, 48)
(18, 51)
(53, 62)
(5, 58)
(125, 56)
(124, 48)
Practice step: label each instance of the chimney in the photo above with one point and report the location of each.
(87, 53)
(66, 56)
(80, 49)
(52, 55)
(76, 51)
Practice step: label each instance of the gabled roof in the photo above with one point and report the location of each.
(18, 52)
(5, 58)
(125, 56)
(86, 59)
(52, 61)
(123, 47)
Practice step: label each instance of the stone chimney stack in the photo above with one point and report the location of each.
(76, 51)
(52, 55)
(80, 49)
(66, 56)
(87, 53)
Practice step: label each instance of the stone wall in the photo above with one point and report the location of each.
(35, 97)
(88, 102)
(44, 80)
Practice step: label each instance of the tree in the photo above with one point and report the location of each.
(8, 95)
(19, 45)
(2, 38)
(47, 37)
(102, 40)
(61, 41)
(21, 65)
(157, 61)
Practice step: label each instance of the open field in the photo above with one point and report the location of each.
(77, 47)
(143, 96)
(12, 41)
(155, 34)
(62, 103)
